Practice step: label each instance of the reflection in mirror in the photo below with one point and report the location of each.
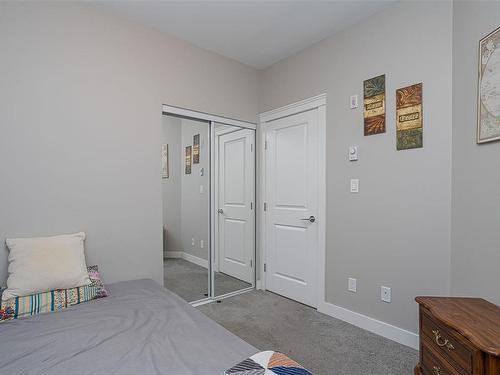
(186, 204)
(234, 244)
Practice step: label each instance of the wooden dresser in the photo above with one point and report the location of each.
(458, 336)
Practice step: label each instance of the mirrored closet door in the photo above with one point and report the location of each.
(234, 217)
(208, 193)
(186, 206)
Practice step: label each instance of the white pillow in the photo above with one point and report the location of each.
(42, 264)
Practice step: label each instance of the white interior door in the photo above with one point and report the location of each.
(235, 204)
(291, 194)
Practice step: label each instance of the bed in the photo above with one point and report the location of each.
(141, 328)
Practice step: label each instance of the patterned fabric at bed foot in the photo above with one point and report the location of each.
(54, 300)
(267, 363)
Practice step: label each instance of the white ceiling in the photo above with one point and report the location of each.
(256, 33)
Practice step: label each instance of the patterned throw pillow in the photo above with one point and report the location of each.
(19, 307)
(96, 282)
(268, 362)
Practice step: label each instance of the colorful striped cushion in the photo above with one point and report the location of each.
(19, 307)
(268, 362)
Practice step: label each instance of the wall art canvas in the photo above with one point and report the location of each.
(374, 105)
(488, 103)
(409, 117)
(164, 161)
(196, 149)
(187, 169)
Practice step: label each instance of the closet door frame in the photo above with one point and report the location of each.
(212, 119)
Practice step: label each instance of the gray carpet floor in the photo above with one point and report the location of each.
(324, 345)
(190, 281)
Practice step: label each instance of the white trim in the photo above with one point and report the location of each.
(218, 298)
(258, 285)
(173, 110)
(294, 108)
(194, 259)
(260, 199)
(173, 254)
(317, 102)
(378, 327)
(214, 172)
(321, 270)
(187, 257)
(202, 302)
(213, 213)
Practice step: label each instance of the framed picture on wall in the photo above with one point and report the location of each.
(164, 160)
(196, 149)
(374, 105)
(187, 169)
(409, 117)
(488, 98)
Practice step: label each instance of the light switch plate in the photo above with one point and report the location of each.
(354, 185)
(353, 101)
(351, 285)
(353, 153)
(385, 294)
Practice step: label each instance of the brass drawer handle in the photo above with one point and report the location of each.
(437, 370)
(442, 342)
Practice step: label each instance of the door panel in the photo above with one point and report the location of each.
(292, 196)
(233, 242)
(236, 195)
(290, 153)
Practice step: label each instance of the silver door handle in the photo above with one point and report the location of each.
(220, 211)
(311, 219)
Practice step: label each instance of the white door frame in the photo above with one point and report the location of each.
(179, 111)
(318, 103)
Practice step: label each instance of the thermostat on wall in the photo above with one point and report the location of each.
(353, 153)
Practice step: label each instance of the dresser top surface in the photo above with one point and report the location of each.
(476, 319)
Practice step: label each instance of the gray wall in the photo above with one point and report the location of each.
(396, 231)
(172, 186)
(195, 205)
(80, 103)
(476, 178)
(185, 209)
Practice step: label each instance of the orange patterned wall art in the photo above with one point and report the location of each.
(409, 117)
(374, 105)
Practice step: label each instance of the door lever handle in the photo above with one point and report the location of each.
(220, 211)
(311, 219)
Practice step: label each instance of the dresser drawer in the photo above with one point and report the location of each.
(435, 365)
(447, 344)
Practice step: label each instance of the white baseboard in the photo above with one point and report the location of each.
(378, 327)
(189, 257)
(172, 254)
(196, 260)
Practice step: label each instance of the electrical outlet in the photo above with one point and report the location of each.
(385, 294)
(351, 285)
(193, 242)
(202, 244)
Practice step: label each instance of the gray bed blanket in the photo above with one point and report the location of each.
(141, 328)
